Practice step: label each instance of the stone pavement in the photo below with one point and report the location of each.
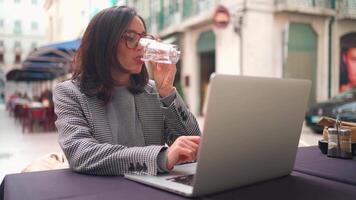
(18, 149)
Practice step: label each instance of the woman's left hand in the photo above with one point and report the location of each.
(164, 74)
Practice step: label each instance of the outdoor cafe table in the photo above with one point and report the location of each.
(311, 161)
(66, 184)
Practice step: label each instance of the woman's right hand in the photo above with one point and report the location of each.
(184, 149)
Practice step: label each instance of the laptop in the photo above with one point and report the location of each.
(251, 133)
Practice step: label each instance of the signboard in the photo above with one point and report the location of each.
(221, 17)
(348, 62)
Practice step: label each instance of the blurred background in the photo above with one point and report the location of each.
(308, 39)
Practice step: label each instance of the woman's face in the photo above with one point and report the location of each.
(130, 58)
(350, 60)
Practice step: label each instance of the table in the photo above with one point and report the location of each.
(66, 184)
(311, 161)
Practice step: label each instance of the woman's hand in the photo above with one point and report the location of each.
(184, 149)
(164, 74)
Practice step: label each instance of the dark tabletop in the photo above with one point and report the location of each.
(66, 184)
(311, 161)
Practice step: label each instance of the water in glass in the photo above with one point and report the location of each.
(159, 52)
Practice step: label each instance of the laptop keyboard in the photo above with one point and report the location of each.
(186, 179)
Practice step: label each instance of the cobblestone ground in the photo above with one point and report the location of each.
(18, 149)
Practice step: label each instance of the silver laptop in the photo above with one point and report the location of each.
(251, 133)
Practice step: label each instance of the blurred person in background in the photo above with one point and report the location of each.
(46, 98)
(111, 118)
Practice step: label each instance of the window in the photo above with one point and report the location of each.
(33, 46)
(17, 44)
(187, 8)
(17, 50)
(2, 46)
(17, 58)
(34, 25)
(174, 6)
(17, 1)
(2, 57)
(113, 2)
(17, 47)
(17, 27)
(2, 50)
(34, 2)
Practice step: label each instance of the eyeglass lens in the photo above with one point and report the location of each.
(132, 39)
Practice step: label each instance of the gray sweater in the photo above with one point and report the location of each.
(128, 126)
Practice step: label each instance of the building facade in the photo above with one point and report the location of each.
(20, 30)
(67, 20)
(271, 38)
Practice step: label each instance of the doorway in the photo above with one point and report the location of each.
(206, 52)
(301, 62)
(207, 67)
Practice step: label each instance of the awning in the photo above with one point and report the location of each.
(50, 55)
(58, 68)
(72, 44)
(29, 75)
(56, 52)
(206, 42)
(57, 57)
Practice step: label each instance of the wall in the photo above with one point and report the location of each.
(190, 69)
(228, 43)
(258, 45)
(26, 13)
(320, 26)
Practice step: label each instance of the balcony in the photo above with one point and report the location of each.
(347, 9)
(313, 7)
(175, 12)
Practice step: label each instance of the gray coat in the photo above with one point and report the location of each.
(86, 137)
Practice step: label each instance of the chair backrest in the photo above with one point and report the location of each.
(38, 113)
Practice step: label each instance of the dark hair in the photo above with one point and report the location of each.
(344, 79)
(97, 54)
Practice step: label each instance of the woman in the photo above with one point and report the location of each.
(348, 69)
(111, 119)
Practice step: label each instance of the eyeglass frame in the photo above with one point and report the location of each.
(141, 35)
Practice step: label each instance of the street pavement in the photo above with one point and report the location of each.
(18, 149)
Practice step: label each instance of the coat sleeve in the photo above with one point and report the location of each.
(84, 153)
(178, 120)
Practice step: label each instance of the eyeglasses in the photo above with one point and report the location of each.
(132, 38)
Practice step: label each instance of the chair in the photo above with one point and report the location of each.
(51, 118)
(36, 116)
(20, 113)
(25, 118)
